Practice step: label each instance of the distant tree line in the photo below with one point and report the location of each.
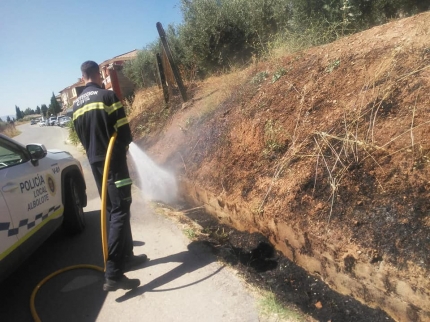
(54, 108)
(218, 34)
(8, 120)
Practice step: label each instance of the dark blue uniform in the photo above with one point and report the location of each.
(97, 114)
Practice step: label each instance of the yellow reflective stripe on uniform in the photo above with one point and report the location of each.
(89, 107)
(113, 107)
(120, 123)
(123, 182)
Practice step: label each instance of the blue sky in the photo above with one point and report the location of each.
(44, 42)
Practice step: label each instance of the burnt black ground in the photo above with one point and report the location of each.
(262, 266)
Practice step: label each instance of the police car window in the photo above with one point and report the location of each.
(11, 154)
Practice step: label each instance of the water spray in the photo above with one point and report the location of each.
(155, 183)
(158, 185)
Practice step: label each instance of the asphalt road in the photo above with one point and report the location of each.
(181, 282)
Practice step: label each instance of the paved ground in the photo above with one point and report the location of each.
(181, 282)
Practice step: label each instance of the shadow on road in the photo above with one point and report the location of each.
(193, 259)
(76, 295)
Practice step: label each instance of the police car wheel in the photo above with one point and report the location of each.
(73, 222)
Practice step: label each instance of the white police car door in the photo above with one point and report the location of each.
(25, 188)
(7, 232)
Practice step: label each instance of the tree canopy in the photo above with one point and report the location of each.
(54, 106)
(19, 114)
(218, 34)
(44, 110)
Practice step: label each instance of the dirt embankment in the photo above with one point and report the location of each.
(326, 153)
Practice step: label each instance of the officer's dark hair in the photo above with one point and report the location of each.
(89, 69)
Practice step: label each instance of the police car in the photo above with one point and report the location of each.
(40, 191)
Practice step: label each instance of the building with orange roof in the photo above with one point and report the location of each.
(113, 76)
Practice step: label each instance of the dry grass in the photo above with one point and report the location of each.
(218, 88)
(273, 310)
(353, 142)
(145, 98)
(152, 112)
(288, 42)
(356, 141)
(9, 130)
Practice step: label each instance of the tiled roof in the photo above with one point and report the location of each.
(78, 83)
(127, 56)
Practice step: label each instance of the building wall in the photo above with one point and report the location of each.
(115, 80)
(126, 86)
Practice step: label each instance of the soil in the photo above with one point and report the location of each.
(255, 259)
(331, 140)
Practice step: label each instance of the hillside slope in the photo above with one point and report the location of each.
(326, 153)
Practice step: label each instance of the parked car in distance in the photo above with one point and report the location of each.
(52, 121)
(64, 120)
(42, 123)
(41, 190)
(33, 121)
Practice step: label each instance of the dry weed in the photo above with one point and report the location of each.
(10, 131)
(145, 98)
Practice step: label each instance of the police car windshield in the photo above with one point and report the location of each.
(11, 154)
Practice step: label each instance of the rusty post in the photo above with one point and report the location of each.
(171, 62)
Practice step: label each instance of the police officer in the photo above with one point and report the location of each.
(97, 114)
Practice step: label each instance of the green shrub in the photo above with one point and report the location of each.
(142, 70)
(259, 78)
(275, 139)
(217, 35)
(73, 136)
